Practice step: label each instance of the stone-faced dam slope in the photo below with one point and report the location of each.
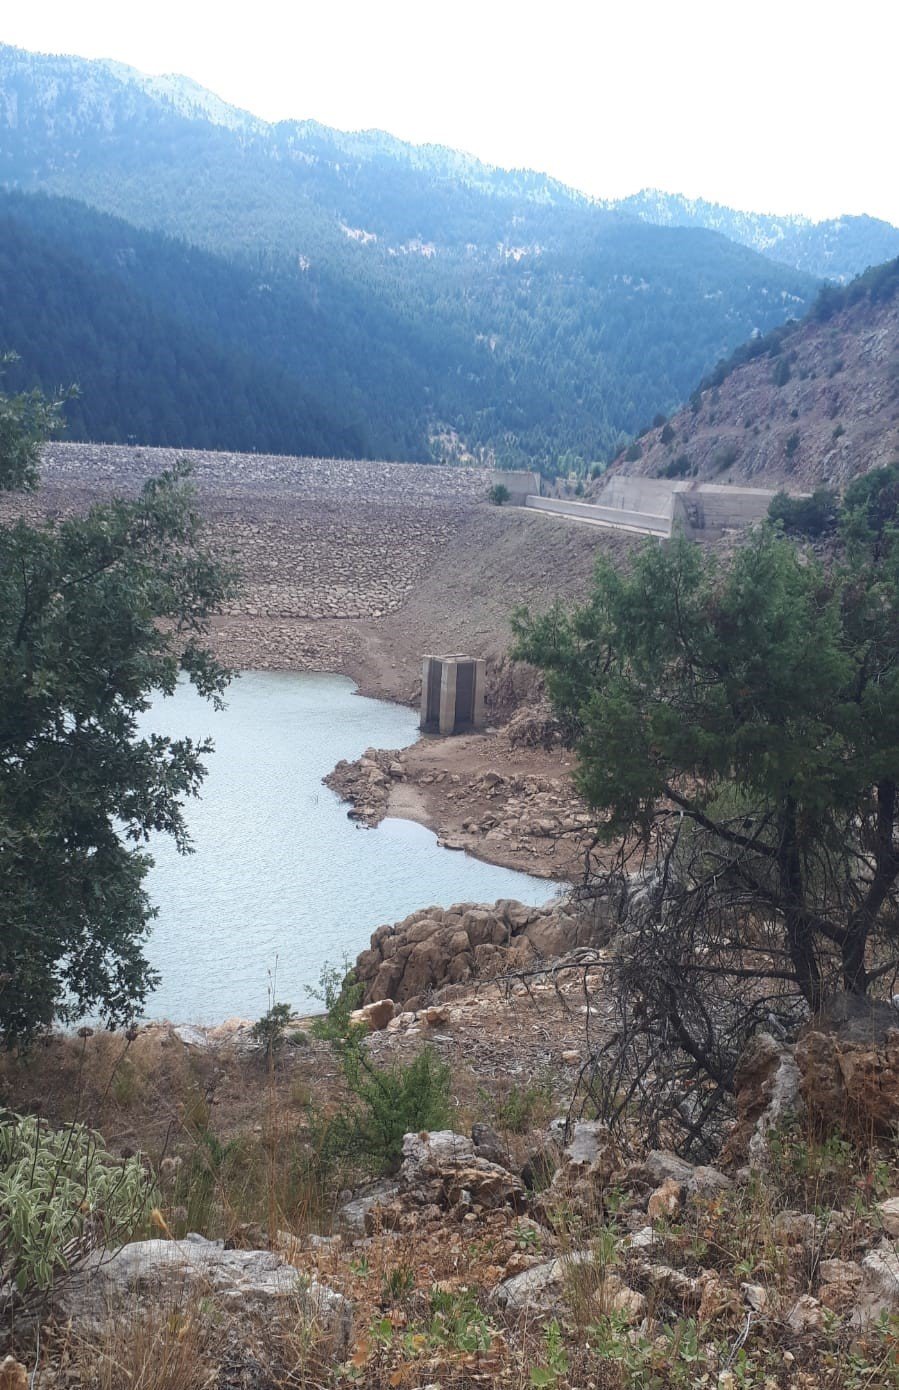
(348, 566)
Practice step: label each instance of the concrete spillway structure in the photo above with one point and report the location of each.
(452, 694)
(656, 507)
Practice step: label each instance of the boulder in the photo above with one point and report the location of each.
(840, 1282)
(540, 1288)
(359, 1216)
(443, 1169)
(613, 1296)
(583, 1172)
(807, 1317)
(697, 1180)
(253, 1282)
(489, 1145)
(666, 1201)
(888, 1214)
(375, 1016)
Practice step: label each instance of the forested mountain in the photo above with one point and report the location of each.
(431, 304)
(834, 249)
(146, 371)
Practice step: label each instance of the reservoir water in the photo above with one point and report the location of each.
(281, 882)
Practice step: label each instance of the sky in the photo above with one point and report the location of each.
(774, 105)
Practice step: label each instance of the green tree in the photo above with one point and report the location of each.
(97, 612)
(737, 730)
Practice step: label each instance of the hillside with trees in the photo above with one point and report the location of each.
(443, 308)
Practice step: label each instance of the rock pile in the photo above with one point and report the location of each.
(435, 947)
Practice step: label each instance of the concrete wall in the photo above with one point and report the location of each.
(694, 509)
(708, 509)
(521, 484)
(636, 494)
(654, 525)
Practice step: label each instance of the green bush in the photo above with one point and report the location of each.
(499, 494)
(633, 452)
(61, 1195)
(680, 467)
(781, 374)
(390, 1102)
(667, 434)
(792, 444)
(806, 516)
(271, 1029)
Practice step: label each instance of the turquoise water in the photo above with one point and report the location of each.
(281, 882)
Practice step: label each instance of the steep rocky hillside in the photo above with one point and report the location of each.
(812, 405)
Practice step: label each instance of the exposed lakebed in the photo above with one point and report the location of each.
(281, 881)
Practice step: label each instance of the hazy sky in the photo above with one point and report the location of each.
(773, 105)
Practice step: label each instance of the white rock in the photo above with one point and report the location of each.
(251, 1281)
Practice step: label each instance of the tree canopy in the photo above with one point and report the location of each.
(737, 731)
(97, 612)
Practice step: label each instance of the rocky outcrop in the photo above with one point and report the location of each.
(253, 1282)
(766, 1083)
(365, 783)
(445, 1170)
(492, 814)
(848, 1060)
(437, 946)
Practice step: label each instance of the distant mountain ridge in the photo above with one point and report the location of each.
(443, 308)
(833, 249)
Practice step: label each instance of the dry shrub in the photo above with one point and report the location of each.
(158, 1348)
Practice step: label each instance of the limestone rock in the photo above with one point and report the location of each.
(644, 1239)
(540, 1288)
(888, 1212)
(666, 1201)
(584, 1170)
(489, 1145)
(614, 1296)
(879, 1288)
(840, 1283)
(442, 1169)
(256, 1282)
(755, 1296)
(358, 1217)
(662, 1166)
(807, 1317)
